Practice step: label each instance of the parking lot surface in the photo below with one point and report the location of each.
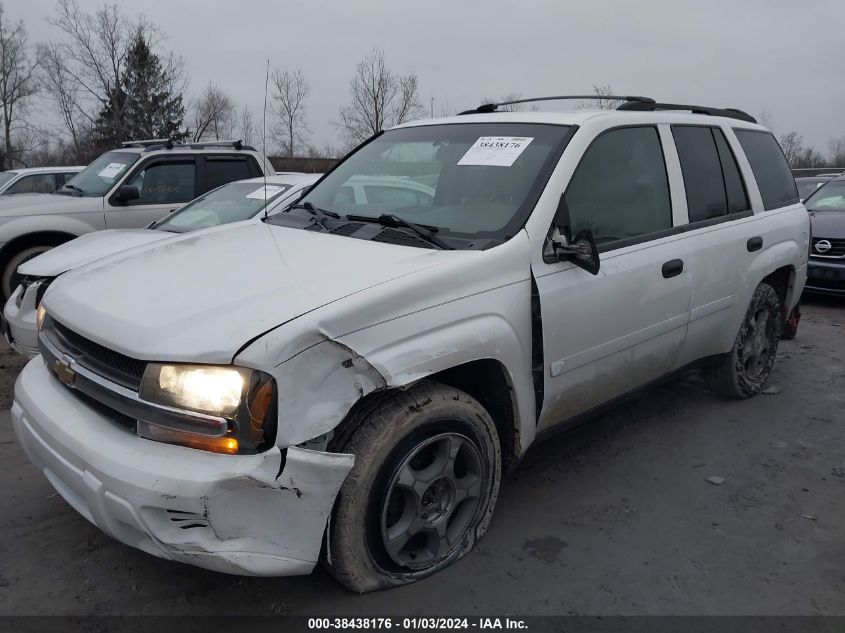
(616, 517)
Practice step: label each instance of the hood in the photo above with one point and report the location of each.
(88, 248)
(46, 203)
(201, 296)
(828, 224)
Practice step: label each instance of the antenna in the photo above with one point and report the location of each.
(264, 136)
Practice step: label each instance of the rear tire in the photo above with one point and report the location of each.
(742, 372)
(421, 493)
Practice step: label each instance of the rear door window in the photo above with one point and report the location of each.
(221, 171)
(771, 171)
(734, 186)
(702, 171)
(36, 183)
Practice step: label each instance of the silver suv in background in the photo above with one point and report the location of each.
(124, 188)
(35, 179)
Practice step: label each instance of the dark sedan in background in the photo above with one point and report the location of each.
(826, 272)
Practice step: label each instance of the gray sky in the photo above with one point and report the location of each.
(784, 56)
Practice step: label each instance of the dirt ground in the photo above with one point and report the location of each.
(616, 517)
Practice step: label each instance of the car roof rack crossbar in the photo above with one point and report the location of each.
(146, 142)
(731, 113)
(486, 108)
(236, 143)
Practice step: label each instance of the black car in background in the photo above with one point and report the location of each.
(826, 271)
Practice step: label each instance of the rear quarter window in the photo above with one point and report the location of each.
(771, 171)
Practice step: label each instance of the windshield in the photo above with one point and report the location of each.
(101, 175)
(229, 203)
(806, 186)
(6, 176)
(829, 197)
(465, 180)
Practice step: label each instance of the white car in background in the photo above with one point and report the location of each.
(233, 202)
(35, 179)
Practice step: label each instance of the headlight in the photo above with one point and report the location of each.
(244, 397)
(206, 389)
(40, 315)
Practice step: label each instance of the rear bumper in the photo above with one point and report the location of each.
(826, 277)
(19, 325)
(261, 515)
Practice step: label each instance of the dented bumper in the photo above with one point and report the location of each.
(261, 515)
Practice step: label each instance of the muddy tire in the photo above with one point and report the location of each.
(421, 493)
(742, 372)
(9, 277)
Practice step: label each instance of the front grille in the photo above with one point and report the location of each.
(837, 248)
(127, 422)
(101, 360)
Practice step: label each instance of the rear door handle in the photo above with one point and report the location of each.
(754, 244)
(673, 268)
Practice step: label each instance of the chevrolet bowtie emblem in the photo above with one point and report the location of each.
(63, 371)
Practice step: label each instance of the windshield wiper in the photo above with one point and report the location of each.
(78, 191)
(388, 219)
(317, 212)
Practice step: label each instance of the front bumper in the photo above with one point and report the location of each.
(19, 321)
(257, 515)
(826, 276)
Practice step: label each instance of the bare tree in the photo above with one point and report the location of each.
(290, 90)
(602, 100)
(792, 145)
(247, 130)
(809, 157)
(17, 83)
(378, 99)
(510, 107)
(213, 114)
(64, 92)
(837, 151)
(766, 120)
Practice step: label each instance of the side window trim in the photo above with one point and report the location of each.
(144, 164)
(645, 237)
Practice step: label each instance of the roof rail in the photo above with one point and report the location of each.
(236, 143)
(731, 113)
(147, 142)
(491, 107)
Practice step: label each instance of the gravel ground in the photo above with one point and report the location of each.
(616, 517)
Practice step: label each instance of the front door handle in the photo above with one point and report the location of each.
(673, 268)
(754, 244)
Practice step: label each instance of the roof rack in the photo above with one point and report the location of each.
(152, 145)
(629, 103)
(485, 108)
(146, 142)
(730, 113)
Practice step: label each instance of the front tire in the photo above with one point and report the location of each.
(10, 278)
(742, 372)
(421, 493)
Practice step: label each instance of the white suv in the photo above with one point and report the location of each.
(124, 188)
(354, 377)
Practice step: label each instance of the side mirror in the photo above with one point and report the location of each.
(581, 250)
(128, 192)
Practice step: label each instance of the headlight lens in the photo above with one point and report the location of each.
(40, 315)
(203, 388)
(244, 397)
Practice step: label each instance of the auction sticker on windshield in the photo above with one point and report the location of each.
(111, 170)
(266, 192)
(496, 151)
